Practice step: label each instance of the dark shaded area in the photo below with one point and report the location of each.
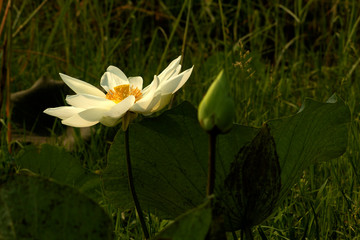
(255, 180)
(28, 106)
(36, 208)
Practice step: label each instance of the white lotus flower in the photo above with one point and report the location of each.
(124, 95)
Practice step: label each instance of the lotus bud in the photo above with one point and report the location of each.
(216, 110)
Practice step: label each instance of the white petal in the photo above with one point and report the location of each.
(113, 117)
(110, 80)
(147, 98)
(89, 101)
(117, 72)
(79, 86)
(169, 70)
(147, 88)
(151, 88)
(161, 103)
(175, 83)
(153, 105)
(177, 70)
(86, 118)
(121, 108)
(136, 82)
(63, 112)
(110, 122)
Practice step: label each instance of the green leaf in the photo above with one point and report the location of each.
(36, 208)
(169, 158)
(193, 225)
(56, 163)
(318, 132)
(267, 168)
(168, 161)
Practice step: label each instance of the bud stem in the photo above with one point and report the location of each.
(211, 163)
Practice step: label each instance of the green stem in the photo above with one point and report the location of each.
(211, 163)
(132, 186)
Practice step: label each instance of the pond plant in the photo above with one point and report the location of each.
(191, 166)
(163, 167)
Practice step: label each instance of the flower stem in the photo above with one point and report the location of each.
(211, 163)
(132, 186)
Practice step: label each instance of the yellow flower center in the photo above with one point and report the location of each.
(123, 91)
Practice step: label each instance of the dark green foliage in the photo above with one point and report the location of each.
(193, 225)
(318, 132)
(55, 163)
(298, 49)
(254, 181)
(37, 208)
(169, 155)
(169, 161)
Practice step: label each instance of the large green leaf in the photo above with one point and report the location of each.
(193, 225)
(36, 208)
(56, 163)
(273, 162)
(168, 164)
(169, 159)
(169, 156)
(318, 132)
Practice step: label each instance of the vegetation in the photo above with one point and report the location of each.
(276, 54)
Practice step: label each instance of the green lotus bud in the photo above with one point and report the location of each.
(217, 110)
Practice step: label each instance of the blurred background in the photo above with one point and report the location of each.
(277, 53)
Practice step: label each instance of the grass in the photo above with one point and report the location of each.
(276, 55)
